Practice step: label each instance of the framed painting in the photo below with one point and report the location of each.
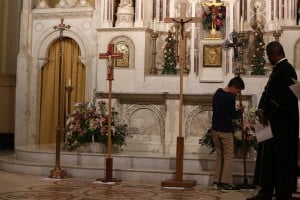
(212, 55)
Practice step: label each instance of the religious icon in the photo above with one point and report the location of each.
(213, 18)
(121, 47)
(212, 55)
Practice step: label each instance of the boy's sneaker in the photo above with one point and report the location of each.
(215, 186)
(227, 187)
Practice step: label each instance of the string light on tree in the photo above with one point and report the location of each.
(258, 61)
(169, 66)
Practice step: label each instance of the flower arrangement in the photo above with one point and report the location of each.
(89, 123)
(249, 120)
(218, 14)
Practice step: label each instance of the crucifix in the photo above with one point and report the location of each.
(236, 43)
(181, 21)
(109, 56)
(58, 172)
(214, 6)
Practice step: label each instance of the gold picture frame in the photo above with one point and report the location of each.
(212, 55)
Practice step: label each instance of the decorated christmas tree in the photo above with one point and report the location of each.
(169, 66)
(258, 60)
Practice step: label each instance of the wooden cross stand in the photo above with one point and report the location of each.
(182, 20)
(109, 55)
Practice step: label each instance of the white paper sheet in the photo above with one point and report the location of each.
(262, 132)
(296, 88)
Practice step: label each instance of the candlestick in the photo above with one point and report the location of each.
(153, 69)
(277, 35)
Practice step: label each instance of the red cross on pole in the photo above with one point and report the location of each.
(110, 56)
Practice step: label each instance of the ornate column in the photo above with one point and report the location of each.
(104, 13)
(153, 70)
(22, 133)
(139, 13)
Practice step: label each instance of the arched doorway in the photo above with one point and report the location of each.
(72, 71)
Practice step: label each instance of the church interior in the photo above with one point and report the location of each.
(121, 91)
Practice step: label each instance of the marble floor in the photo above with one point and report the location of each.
(28, 187)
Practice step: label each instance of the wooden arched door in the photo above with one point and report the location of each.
(72, 71)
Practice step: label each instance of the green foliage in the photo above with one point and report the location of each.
(169, 66)
(258, 61)
(247, 128)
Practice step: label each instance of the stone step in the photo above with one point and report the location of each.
(131, 166)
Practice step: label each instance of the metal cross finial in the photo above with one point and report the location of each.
(61, 27)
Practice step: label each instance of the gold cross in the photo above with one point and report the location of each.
(213, 3)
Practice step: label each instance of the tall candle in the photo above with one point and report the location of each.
(70, 81)
(257, 12)
(242, 24)
(276, 24)
(154, 25)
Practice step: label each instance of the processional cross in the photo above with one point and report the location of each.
(110, 56)
(239, 41)
(181, 21)
(214, 6)
(58, 172)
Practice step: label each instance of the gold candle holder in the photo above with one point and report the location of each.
(69, 93)
(277, 35)
(154, 37)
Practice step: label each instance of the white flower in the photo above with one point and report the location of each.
(238, 135)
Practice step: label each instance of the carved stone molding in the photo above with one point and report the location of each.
(57, 13)
(158, 112)
(191, 114)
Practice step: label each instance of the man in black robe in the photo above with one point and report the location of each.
(276, 163)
